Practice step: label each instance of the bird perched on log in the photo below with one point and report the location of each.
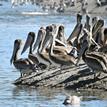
(34, 56)
(25, 66)
(29, 43)
(59, 57)
(96, 61)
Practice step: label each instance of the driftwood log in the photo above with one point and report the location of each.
(71, 77)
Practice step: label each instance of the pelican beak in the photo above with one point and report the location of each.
(27, 43)
(83, 48)
(11, 60)
(39, 38)
(16, 47)
(76, 32)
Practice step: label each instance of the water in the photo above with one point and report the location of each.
(13, 26)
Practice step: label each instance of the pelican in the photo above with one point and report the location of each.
(75, 35)
(80, 36)
(97, 27)
(103, 41)
(94, 21)
(76, 32)
(29, 42)
(57, 52)
(73, 100)
(59, 36)
(59, 58)
(94, 60)
(100, 33)
(96, 33)
(24, 65)
(42, 57)
(102, 37)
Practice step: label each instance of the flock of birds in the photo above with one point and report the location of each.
(51, 48)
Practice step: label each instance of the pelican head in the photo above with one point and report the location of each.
(74, 100)
(29, 42)
(94, 20)
(17, 44)
(87, 18)
(101, 22)
(61, 28)
(79, 18)
(40, 37)
(49, 30)
(60, 35)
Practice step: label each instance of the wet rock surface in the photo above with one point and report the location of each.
(71, 77)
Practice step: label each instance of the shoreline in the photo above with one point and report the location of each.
(92, 8)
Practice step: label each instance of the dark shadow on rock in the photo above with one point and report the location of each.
(80, 74)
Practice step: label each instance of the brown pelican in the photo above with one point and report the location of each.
(75, 35)
(100, 33)
(102, 37)
(97, 27)
(24, 65)
(80, 36)
(77, 30)
(29, 42)
(43, 55)
(59, 58)
(94, 60)
(103, 41)
(96, 32)
(42, 50)
(59, 36)
(94, 20)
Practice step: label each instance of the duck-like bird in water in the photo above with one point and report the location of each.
(73, 100)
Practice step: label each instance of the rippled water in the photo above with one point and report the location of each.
(13, 26)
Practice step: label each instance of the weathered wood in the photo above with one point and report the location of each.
(72, 77)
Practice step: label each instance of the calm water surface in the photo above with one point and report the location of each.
(13, 26)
